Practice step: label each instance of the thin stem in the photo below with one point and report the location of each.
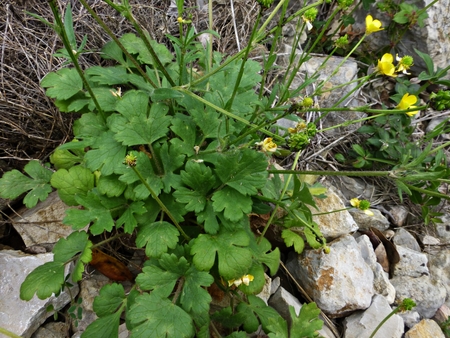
(332, 173)
(8, 333)
(63, 34)
(384, 321)
(283, 192)
(117, 41)
(161, 204)
(178, 291)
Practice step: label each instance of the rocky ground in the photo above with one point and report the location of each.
(374, 263)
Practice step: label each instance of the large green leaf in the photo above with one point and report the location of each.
(234, 256)
(134, 126)
(14, 183)
(157, 317)
(63, 84)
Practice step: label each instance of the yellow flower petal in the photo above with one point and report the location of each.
(386, 66)
(355, 202)
(372, 25)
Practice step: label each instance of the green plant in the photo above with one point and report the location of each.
(176, 150)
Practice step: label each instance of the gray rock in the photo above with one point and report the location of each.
(265, 293)
(363, 323)
(18, 316)
(412, 263)
(364, 221)
(440, 269)
(443, 229)
(329, 277)
(43, 223)
(426, 328)
(399, 214)
(405, 239)
(334, 224)
(410, 318)
(381, 283)
(52, 330)
(352, 187)
(428, 294)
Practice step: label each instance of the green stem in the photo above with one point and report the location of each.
(125, 10)
(283, 192)
(223, 111)
(324, 29)
(427, 192)
(8, 333)
(161, 204)
(332, 173)
(63, 34)
(340, 65)
(117, 41)
(384, 321)
(244, 60)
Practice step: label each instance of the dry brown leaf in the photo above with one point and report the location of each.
(110, 266)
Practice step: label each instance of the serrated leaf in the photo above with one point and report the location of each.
(68, 247)
(89, 126)
(261, 254)
(107, 75)
(157, 238)
(243, 170)
(75, 181)
(314, 236)
(85, 258)
(208, 218)
(63, 84)
(233, 204)
(171, 161)
(104, 327)
(277, 327)
(258, 282)
(45, 280)
(158, 280)
(133, 126)
(110, 185)
(97, 210)
(65, 159)
(293, 239)
(110, 298)
(108, 305)
(161, 94)
(307, 323)
(234, 257)
(257, 306)
(135, 45)
(106, 154)
(14, 183)
(184, 127)
(128, 219)
(200, 178)
(157, 317)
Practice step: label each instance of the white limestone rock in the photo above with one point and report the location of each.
(363, 323)
(412, 263)
(16, 315)
(328, 278)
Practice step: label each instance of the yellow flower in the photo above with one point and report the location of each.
(267, 145)
(246, 279)
(355, 202)
(372, 25)
(386, 65)
(363, 205)
(407, 102)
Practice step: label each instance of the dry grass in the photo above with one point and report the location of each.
(30, 125)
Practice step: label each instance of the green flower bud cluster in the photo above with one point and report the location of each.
(342, 42)
(265, 3)
(441, 99)
(344, 4)
(311, 14)
(301, 135)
